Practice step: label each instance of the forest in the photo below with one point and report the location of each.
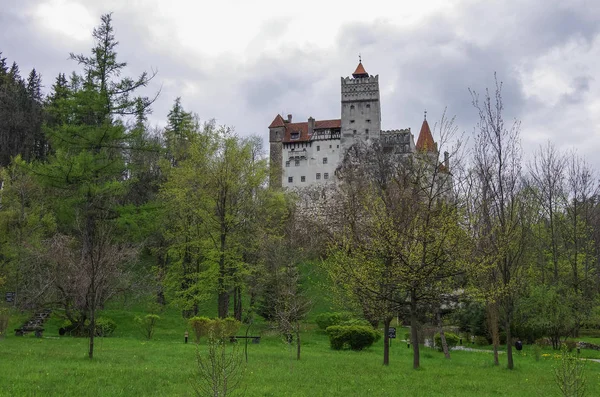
(96, 205)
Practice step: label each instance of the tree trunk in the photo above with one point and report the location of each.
(237, 303)
(386, 340)
(442, 335)
(223, 298)
(414, 336)
(509, 354)
(493, 322)
(297, 341)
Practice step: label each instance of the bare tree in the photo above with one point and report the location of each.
(497, 165)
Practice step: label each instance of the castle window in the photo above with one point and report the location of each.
(351, 107)
(326, 175)
(351, 121)
(287, 163)
(302, 179)
(368, 106)
(338, 146)
(318, 148)
(324, 160)
(329, 146)
(290, 179)
(295, 135)
(354, 132)
(297, 163)
(368, 120)
(318, 175)
(367, 131)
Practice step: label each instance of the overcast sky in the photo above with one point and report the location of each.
(242, 62)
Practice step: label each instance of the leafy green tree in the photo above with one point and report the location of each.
(88, 174)
(214, 192)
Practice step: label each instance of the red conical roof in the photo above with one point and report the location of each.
(425, 141)
(360, 71)
(277, 122)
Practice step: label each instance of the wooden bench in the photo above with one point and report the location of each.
(255, 339)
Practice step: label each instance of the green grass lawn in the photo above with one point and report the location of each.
(127, 365)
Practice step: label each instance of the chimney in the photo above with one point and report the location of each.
(447, 161)
(311, 126)
(289, 120)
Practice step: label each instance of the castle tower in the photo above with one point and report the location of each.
(276, 134)
(361, 108)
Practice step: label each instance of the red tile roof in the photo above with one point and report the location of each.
(360, 71)
(302, 128)
(425, 141)
(277, 122)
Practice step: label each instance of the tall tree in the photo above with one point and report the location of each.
(503, 232)
(87, 169)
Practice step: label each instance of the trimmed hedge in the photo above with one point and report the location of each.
(355, 337)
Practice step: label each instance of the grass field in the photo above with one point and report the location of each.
(127, 365)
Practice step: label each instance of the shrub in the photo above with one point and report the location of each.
(105, 326)
(481, 341)
(214, 329)
(451, 339)
(355, 321)
(147, 324)
(200, 326)
(325, 320)
(356, 337)
(571, 345)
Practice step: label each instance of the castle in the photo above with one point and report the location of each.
(308, 153)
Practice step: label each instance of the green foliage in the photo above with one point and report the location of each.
(481, 341)
(325, 320)
(569, 374)
(355, 337)
(471, 318)
(105, 326)
(147, 324)
(214, 329)
(451, 339)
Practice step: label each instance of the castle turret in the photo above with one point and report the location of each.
(276, 134)
(361, 108)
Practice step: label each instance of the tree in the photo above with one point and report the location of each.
(398, 241)
(86, 172)
(502, 235)
(215, 191)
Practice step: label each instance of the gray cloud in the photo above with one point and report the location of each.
(429, 65)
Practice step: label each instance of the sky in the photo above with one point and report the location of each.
(243, 62)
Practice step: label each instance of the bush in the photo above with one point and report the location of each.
(105, 326)
(325, 320)
(481, 341)
(451, 339)
(355, 337)
(214, 329)
(571, 345)
(147, 324)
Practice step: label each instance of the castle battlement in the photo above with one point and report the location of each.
(361, 80)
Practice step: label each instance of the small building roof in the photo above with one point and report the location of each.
(360, 71)
(277, 122)
(425, 141)
(302, 129)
